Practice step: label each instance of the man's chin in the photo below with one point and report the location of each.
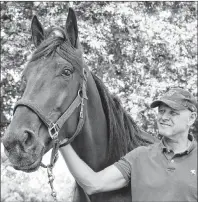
(165, 133)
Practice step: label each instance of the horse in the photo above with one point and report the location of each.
(62, 99)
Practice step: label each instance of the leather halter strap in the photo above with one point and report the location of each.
(54, 128)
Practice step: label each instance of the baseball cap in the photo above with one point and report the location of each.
(177, 98)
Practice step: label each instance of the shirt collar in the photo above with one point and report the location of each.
(193, 143)
(188, 150)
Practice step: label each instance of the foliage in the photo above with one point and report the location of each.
(139, 49)
(33, 187)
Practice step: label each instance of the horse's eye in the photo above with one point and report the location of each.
(67, 72)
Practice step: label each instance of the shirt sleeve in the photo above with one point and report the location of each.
(125, 164)
(125, 168)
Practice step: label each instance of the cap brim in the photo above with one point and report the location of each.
(170, 103)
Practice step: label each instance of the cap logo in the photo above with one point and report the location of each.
(170, 93)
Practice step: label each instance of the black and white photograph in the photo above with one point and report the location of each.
(99, 101)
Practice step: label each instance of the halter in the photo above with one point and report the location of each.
(55, 127)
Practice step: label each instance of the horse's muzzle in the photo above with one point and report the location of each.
(23, 151)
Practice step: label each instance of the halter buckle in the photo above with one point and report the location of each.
(53, 131)
(85, 74)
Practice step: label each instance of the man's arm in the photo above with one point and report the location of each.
(92, 182)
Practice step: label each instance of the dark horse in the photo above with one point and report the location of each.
(56, 80)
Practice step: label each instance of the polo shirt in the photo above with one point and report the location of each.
(157, 174)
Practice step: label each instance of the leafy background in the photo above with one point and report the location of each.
(138, 49)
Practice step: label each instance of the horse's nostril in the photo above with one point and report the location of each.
(28, 139)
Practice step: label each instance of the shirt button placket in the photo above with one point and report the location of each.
(171, 168)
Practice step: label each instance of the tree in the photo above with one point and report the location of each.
(138, 48)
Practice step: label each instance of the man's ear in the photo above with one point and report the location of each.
(192, 118)
(37, 31)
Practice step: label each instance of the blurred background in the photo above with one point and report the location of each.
(138, 49)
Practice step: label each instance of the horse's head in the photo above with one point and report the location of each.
(52, 81)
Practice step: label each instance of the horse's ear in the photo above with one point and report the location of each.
(37, 31)
(72, 28)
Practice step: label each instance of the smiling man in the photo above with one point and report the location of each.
(176, 113)
(164, 171)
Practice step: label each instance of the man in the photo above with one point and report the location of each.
(164, 171)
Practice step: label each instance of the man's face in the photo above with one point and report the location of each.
(173, 122)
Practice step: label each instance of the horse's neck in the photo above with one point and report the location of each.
(91, 144)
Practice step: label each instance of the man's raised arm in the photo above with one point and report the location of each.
(92, 182)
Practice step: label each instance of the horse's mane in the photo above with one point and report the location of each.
(124, 134)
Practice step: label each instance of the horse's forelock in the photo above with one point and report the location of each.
(57, 42)
(55, 32)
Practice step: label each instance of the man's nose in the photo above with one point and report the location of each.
(165, 116)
